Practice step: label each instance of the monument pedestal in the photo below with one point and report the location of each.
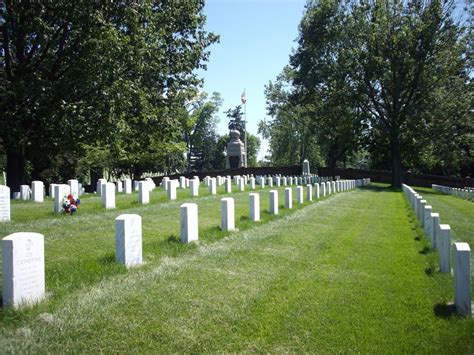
(235, 151)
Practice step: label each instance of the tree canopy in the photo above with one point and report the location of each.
(389, 78)
(98, 79)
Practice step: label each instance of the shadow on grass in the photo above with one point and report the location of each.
(376, 188)
(106, 260)
(173, 239)
(444, 311)
(426, 250)
(429, 271)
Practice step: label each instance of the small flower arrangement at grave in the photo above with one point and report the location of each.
(70, 205)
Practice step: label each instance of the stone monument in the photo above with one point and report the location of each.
(235, 151)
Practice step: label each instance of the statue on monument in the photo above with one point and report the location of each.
(235, 148)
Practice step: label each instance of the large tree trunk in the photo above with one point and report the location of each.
(396, 165)
(15, 168)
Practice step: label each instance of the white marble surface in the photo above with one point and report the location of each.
(261, 181)
(288, 197)
(273, 202)
(254, 202)
(212, 186)
(270, 182)
(25, 192)
(108, 195)
(462, 279)
(194, 187)
(182, 182)
(74, 186)
(37, 189)
(127, 186)
(427, 222)
(228, 213)
(5, 209)
(316, 190)
(444, 248)
(309, 192)
(171, 189)
(119, 185)
(23, 269)
(299, 194)
(434, 230)
(252, 183)
(189, 222)
(143, 192)
(128, 238)
(323, 189)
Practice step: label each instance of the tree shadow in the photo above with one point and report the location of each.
(444, 311)
(385, 189)
(173, 239)
(426, 250)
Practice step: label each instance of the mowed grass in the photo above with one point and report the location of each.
(346, 273)
(456, 212)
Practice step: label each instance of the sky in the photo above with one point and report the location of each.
(256, 39)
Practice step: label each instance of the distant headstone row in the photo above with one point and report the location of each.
(440, 237)
(467, 193)
(23, 253)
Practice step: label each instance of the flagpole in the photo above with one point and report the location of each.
(245, 128)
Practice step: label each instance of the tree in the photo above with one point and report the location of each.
(96, 74)
(199, 122)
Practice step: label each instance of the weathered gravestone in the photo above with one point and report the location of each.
(128, 238)
(4, 203)
(23, 269)
(306, 170)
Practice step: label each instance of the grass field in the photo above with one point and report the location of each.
(351, 272)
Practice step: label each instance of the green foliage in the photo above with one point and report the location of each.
(391, 78)
(88, 75)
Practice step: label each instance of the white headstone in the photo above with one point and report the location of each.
(241, 184)
(273, 202)
(119, 186)
(323, 189)
(37, 188)
(108, 195)
(212, 186)
(189, 222)
(254, 207)
(100, 182)
(270, 182)
(309, 192)
(288, 197)
(228, 185)
(23, 269)
(316, 190)
(434, 230)
(171, 189)
(164, 182)
(4, 203)
(228, 214)
(143, 192)
(428, 224)
(252, 183)
(194, 187)
(128, 186)
(60, 193)
(182, 182)
(25, 192)
(128, 238)
(462, 279)
(422, 212)
(51, 190)
(299, 194)
(74, 187)
(444, 248)
(261, 181)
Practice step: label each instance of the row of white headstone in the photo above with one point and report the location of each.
(466, 193)
(23, 253)
(440, 237)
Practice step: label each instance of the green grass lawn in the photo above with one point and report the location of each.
(350, 272)
(456, 212)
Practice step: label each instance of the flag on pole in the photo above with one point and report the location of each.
(243, 98)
